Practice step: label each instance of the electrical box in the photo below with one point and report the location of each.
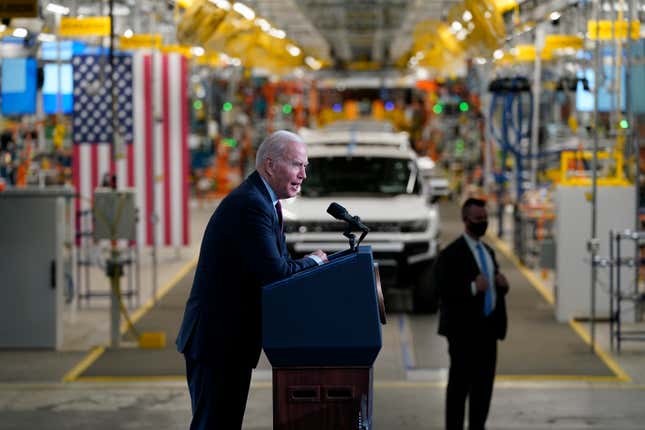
(115, 214)
(615, 211)
(32, 246)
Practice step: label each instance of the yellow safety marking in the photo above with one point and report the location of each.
(618, 371)
(545, 378)
(139, 313)
(96, 352)
(151, 378)
(86, 26)
(535, 282)
(86, 362)
(621, 375)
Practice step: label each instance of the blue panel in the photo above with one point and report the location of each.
(324, 316)
(636, 88)
(18, 86)
(606, 95)
(50, 89)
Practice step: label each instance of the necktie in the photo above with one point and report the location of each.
(488, 297)
(278, 209)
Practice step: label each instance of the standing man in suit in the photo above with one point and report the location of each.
(243, 249)
(472, 317)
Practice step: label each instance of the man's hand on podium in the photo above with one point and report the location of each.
(320, 254)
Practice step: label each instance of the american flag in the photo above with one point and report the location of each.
(152, 119)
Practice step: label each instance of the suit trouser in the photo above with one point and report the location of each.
(472, 372)
(218, 395)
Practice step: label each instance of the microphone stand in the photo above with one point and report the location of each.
(353, 244)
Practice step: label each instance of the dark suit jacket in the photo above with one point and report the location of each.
(243, 249)
(461, 312)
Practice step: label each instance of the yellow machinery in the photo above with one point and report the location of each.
(574, 168)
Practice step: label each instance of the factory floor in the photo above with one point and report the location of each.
(548, 377)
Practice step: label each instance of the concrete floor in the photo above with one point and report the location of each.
(400, 402)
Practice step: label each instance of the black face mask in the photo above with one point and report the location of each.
(478, 228)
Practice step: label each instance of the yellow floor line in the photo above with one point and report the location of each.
(604, 356)
(96, 352)
(86, 362)
(621, 375)
(149, 304)
(558, 378)
(535, 282)
(150, 378)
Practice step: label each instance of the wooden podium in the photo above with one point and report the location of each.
(322, 334)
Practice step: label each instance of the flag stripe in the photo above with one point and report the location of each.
(166, 149)
(175, 172)
(158, 148)
(149, 141)
(76, 172)
(184, 149)
(139, 164)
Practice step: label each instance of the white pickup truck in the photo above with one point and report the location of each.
(375, 176)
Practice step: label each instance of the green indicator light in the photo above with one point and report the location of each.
(463, 106)
(437, 108)
(459, 146)
(286, 109)
(230, 142)
(227, 106)
(197, 104)
(624, 123)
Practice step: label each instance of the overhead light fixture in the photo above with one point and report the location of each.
(480, 60)
(456, 26)
(46, 37)
(263, 24)
(293, 50)
(120, 10)
(555, 15)
(277, 33)
(20, 32)
(128, 33)
(222, 4)
(467, 16)
(498, 54)
(313, 63)
(197, 51)
(244, 10)
(57, 9)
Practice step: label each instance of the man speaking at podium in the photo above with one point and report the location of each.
(243, 249)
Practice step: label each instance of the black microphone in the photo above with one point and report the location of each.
(340, 213)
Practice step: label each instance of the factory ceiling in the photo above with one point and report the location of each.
(342, 33)
(352, 32)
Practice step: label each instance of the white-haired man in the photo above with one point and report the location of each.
(243, 249)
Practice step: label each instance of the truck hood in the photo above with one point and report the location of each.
(398, 208)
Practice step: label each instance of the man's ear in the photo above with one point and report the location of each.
(269, 165)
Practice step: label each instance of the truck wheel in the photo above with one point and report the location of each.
(424, 297)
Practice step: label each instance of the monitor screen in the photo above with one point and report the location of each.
(606, 94)
(51, 90)
(18, 86)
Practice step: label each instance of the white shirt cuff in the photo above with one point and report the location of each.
(317, 259)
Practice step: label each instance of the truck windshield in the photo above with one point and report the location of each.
(360, 176)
